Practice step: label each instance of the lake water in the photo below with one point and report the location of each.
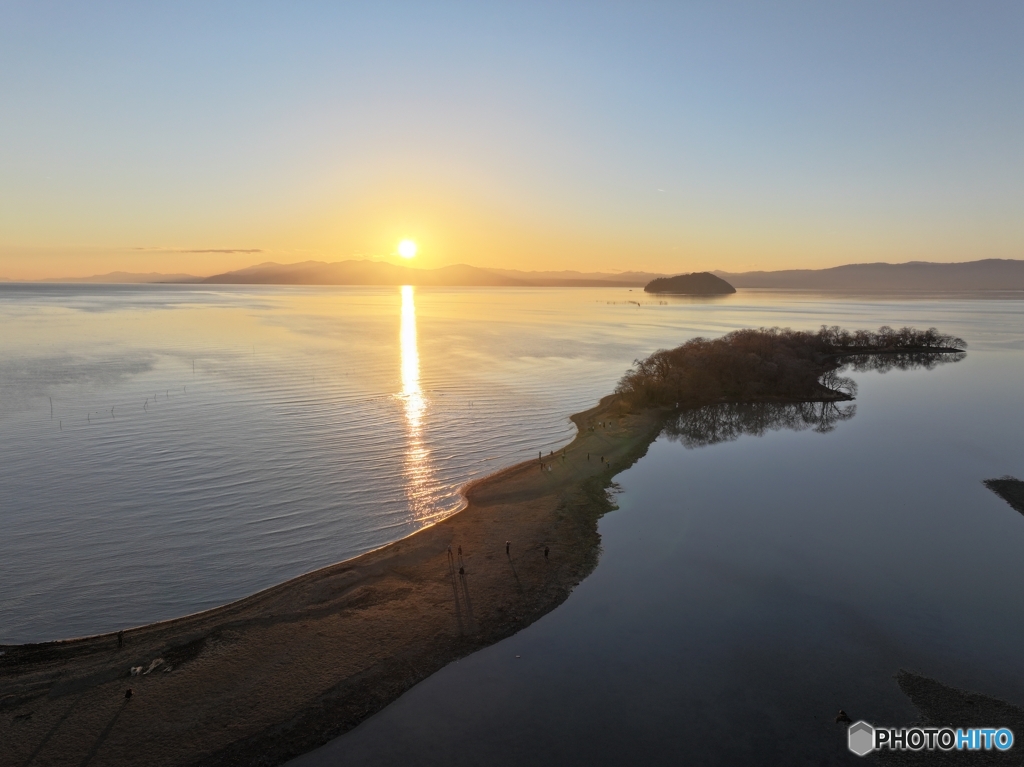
(748, 589)
(207, 443)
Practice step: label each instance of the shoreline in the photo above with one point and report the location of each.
(282, 671)
(276, 674)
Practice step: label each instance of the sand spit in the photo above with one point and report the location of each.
(276, 674)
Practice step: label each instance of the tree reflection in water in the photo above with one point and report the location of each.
(723, 423)
(883, 363)
(711, 424)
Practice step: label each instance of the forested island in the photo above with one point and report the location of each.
(271, 676)
(695, 284)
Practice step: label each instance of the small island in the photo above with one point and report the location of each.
(695, 284)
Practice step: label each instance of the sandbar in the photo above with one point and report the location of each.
(278, 673)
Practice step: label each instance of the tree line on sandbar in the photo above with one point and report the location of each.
(775, 364)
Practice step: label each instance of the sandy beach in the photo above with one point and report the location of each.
(275, 674)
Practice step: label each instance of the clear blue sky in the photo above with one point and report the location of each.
(662, 136)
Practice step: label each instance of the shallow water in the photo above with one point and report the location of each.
(750, 588)
(319, 423)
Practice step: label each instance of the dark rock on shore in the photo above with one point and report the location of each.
(1010, 489)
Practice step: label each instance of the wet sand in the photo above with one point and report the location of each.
(276, 674)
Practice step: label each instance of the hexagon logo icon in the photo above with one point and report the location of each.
(861, 738)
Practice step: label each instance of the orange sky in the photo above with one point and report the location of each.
(526, 136)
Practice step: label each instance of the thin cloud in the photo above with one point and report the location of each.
(223, 250)
(203, 250)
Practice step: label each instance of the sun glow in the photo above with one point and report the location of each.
(407, 248)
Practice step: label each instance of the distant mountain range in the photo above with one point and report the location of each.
(989, 274)
(128, 278)
(383, 273)
(583, 279)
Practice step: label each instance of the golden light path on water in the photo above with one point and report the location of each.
(422, 487)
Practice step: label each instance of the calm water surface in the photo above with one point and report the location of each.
(204, 444)
(748, 589)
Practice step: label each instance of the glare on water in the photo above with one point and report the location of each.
(421, 486)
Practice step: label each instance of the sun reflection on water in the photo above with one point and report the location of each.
(422, 488)
(412, 393)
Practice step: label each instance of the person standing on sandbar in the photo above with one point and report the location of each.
(508, 548)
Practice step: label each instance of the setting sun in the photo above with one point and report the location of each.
(407, 248)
